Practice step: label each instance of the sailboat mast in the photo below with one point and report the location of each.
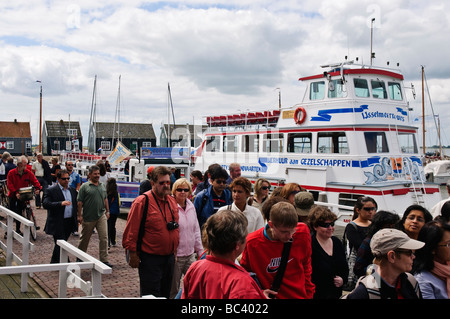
(92, 120)
(423, 113)
(117, 116)
(169, 108)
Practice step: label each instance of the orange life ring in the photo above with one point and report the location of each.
(299, 120)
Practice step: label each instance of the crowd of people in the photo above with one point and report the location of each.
(218, 236)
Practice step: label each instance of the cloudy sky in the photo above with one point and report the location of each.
(219, 56)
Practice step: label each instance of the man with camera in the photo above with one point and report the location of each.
(153, 253)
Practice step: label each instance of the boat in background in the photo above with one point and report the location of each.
(438, 171)
(351, 136)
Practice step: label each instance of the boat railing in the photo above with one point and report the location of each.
(244, 120)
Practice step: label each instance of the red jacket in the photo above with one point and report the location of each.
(157, 240)
(262, 256)
(216, 278)
(15, 181)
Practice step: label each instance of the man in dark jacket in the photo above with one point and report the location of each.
(60, 200)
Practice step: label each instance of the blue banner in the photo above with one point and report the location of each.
(165, 152)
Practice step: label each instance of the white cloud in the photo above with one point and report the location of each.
(218, 56)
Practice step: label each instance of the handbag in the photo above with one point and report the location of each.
(350, 256)
(281, 269)
(141, 230)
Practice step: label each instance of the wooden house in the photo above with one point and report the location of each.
(58, 136)
(15, 138)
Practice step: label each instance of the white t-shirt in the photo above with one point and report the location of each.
(253, 214)
(38, 169)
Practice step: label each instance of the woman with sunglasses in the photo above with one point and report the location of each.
(356, 231)
(190, 237)
(431, 267)
(262, 188)
(289, 190)
(329, 266)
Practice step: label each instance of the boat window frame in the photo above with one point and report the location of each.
(384, 142)
(375, 90)
(359, 89)
(320, 93)
(228, 139)
(335, 146)
(212, 140)
(292, 144)
(403, 147)
(339, 88)
(391, 94)
(246, 143)
(268, 141)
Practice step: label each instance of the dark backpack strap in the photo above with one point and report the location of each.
(142, 226)
(283, 263)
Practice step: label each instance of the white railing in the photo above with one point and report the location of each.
(27, 246)
(69, 272)
(69, 277)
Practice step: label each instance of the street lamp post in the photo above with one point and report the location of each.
(40, 118)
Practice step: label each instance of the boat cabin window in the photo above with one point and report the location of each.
(336, 88)
(378, 89)
(361, 87)
(395, 91)
(376, 142)
(273, 143)
(317, 90)
(407, 143)
(213, 144)
(332, 142)
(299, 143)
(250, 143)
(230, 143)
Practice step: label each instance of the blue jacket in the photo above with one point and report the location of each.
(204, 204)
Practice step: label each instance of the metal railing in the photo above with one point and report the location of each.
(27, 246)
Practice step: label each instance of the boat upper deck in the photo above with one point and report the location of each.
(346, 94)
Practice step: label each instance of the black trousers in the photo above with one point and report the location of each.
(17, 206)
(155, 274)
(64, 234)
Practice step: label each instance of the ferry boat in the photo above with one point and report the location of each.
(349, 137)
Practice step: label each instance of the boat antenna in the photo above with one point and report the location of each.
(372, 54)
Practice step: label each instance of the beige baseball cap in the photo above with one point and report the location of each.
(303, 202)
(388, 239)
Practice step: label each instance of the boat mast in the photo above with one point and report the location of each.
(423, 113)
(170, 104)
(117, 117)
(372, 54)
(93, 120)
